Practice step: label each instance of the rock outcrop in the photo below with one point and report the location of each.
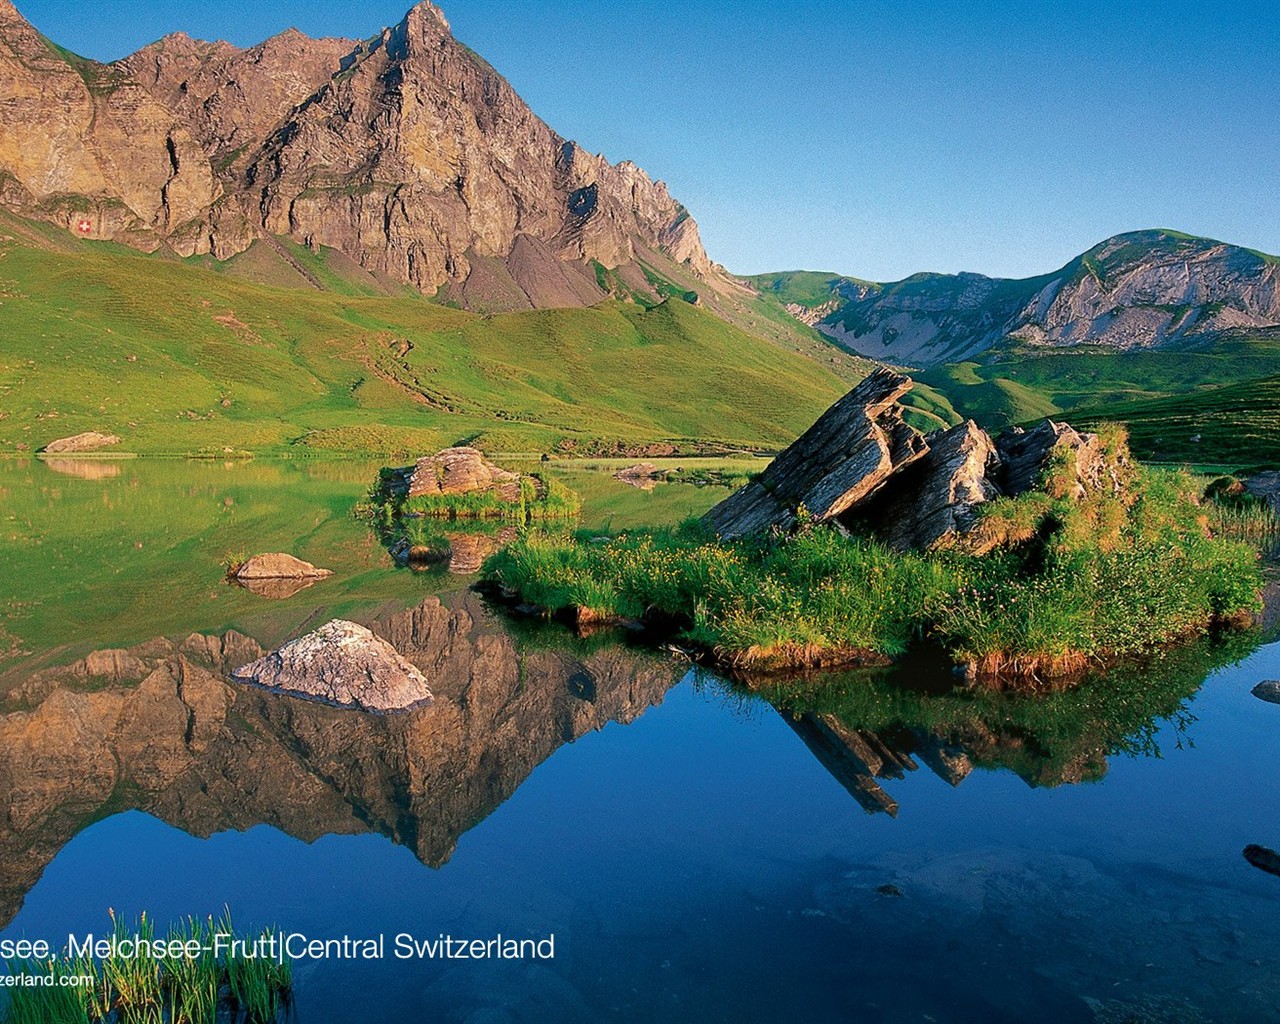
(89, 441)
(843, 459)
(1268, 690)
(1080, 462)
(937, 499)
(454, 471)
(407, 152)
(861, 466)
(344, 664)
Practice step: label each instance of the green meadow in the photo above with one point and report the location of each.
(178, 358)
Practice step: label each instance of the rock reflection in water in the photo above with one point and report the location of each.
(85, 469)
(160, 728)
(867, 728)
(277, 589)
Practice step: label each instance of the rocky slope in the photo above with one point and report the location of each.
(1143, 290)
(406, 152)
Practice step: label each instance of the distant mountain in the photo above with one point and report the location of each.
(406, 152)
(1146, 290)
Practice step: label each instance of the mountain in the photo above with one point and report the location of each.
(1146, 290)
(406, 153)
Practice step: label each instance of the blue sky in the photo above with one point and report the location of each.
(875, 139)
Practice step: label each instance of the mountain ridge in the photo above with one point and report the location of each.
(1140, 290)
(406, 151)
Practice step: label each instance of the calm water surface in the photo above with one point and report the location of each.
(700, 853)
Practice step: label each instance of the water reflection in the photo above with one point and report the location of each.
(869, 727)
(85, 469)
(160, 728)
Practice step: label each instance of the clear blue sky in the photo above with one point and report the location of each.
(875, 139)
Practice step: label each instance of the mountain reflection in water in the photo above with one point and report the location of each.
(161, 729)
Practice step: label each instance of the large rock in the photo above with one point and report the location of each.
(344, 664)
(863, 467)
(278, 566)
(1268, 690)
(456, 471)
(936, 500)
(89, 441)
(1062, 460)
(840, 461)
(1265, 486)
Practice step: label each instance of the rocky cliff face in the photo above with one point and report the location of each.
(407, 152)
(163, 723)
(1147, 289)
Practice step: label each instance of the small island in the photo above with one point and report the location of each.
(1026, 557)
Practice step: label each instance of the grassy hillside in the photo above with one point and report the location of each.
(1165, 396)
(179, 358)
(1235, 424)
(808, 288)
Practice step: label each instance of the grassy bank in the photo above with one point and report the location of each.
(1070, 584)
(180, 978)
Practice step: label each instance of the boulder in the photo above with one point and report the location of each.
(1263, 858)
(1059, 458)
(455, 471)
(1265, 486)
(643, 475)
(89, 441)
(278, 566)
(344, 664)
(840, 461)
(1268, 690)
(934, 501)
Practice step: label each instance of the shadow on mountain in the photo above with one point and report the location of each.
(160, 728)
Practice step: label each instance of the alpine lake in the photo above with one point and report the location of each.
(874, 846)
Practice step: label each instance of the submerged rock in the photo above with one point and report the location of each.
(86, 442)
(278, 566)
(278, 589)
(1263, 858)
(341, 663)
(840, 461)
(643, 475)
(1268, 690)
(85, 469)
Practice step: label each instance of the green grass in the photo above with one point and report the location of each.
(1236, 424)
(175, 358)
(1164, 397)
(1071, 583)
(158, 987)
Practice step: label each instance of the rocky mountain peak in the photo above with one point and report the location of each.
(425, 18)
(409, 154)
